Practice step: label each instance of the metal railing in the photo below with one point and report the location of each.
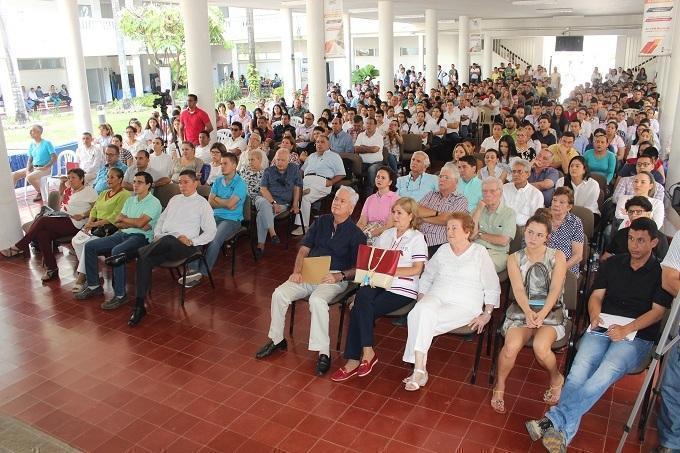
(507, 54)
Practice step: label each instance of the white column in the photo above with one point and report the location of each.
(463, 49)
(199, 61)
(385, 46)
(431, 49)
(487, 67)
(671, 106)
(421, 52)
(287, 55)
(75, 66)
(10, 231)
(349, 49)
(316, 61)
(137, 73)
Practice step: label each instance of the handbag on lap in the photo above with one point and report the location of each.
(537, 292)
(376, 267)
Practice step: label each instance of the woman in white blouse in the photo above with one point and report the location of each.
(644, 186)
(586, 189)
(371, 303)
(459, 287)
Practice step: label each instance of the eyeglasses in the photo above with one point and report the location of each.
(636, 212)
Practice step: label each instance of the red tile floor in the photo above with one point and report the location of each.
(186, 380)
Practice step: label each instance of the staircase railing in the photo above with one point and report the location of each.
(508, 54)
(648, 60)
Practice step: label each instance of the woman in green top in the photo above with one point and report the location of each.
(102, 215)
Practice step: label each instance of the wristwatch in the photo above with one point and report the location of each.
(344, 277)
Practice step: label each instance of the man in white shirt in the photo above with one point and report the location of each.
(236, 144)
(186, 223)
(142, 164)
(466, 114)
(303, 133)
(203, 147)
(242, 117)
(369, 147)
(423, 127)
(89, 157)
(521, 196)
(452, 118)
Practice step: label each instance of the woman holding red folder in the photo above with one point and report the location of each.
(371, 303)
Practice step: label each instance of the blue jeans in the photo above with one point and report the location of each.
(392, 162)
(118, 242)
(667, 423)
(225, 230)
(371, 170)
(598, 364)
(265, 217)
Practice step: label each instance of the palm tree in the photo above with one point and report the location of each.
(21, 114)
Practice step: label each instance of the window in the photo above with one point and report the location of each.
(106, 9)
(365, 52)
(406, 51)
(85, 10)
(40, 63)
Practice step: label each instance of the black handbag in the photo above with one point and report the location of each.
(556, 315)
(104, 231)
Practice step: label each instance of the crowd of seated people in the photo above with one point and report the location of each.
(521, 179)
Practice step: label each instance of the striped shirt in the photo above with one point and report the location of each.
(413, 249)
(436, 234)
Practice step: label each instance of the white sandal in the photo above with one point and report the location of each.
(414, 383)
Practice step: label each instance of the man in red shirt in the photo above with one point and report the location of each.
(193, 120)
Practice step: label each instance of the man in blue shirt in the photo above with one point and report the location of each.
(111, 157)
(469, 185)
(227, 196)
(41, 157)
(543, 176)
(341, 141)
(135, 229)
(334, 235)
(417, 183)
(581, 141)
(280, 190)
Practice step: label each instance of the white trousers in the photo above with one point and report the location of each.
(317, 190)
(431, 317)
(319, 296)
(78, 242)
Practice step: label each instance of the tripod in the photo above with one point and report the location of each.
(668, 339)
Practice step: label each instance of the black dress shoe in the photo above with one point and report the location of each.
(323, 364)
(117, 260)
(269, 348)
(137, 314)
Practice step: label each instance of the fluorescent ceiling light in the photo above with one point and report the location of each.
(557, 10)
(410, 16)
(363, 10)
(533, 2)
(294, 3)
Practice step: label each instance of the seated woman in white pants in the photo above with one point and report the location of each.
(104, 212)
(459, 287)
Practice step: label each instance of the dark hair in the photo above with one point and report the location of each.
(637, 200)
(651, 152)
(79, 172)
(543, 217)
(566, 191)
(231, 156)
(645, 224)
(190, 173)
(567, 175)
(569, 134)
(146, 153)
(237, 124)
(470, 160)
(512, 148)
(148, 179)
(392, 175)
(193, 96)
(220, 147)
(118, 136)
(113, 147)
(117, 171)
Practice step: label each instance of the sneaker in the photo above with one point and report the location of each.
(297, 231)
(114, 302)
(554, 441)
(275, 240)
(536, 428)
(88, 292)
(192, 276)
(258, 253)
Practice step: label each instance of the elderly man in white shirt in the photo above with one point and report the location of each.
(303, 133)
(521, 196)
(187, 222)
(369, 147)
(89, 157)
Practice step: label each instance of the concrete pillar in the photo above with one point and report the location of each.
(316, 61)
(199, 61)
(671, 106)
(10, 231)
(137, 73)
(385, 46)
(431, 49)
(421, 53)
(122, 59)
(287, 55)
(75, 66)
(349, 50)
(464, 49)
(487, 67)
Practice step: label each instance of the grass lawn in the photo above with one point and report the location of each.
(60, 127)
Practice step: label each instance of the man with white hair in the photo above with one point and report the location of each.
(519, 195)
(417, 183)
(435, 207)
(495, 224)
(335, 235)
(41, 158)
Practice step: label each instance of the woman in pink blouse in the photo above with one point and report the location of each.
(375, 215)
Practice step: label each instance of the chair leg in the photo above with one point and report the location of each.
(343, 308)
(184, 282)
(478, 355)
(205, 263)
(302, 223)
(644, 413)
(489, 337)
(292, 318)
(233, 256)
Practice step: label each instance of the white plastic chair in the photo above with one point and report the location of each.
(295, 120)
(223, 135)
(65, 157)
(276, 123)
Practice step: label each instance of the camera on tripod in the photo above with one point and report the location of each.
(162, 101)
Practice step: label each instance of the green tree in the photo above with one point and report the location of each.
(161, 29)
(359, 75)
(253, 78)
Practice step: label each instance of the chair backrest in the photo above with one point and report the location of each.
(223, 135)
(516, 242)
(587, 219)
(570, 297)
(412, 143)
(276, 123)
(165, 193)
(65, 157)
(248, 211)
(295, 120)
(602, 181)
(205, 173)
(204, 190)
